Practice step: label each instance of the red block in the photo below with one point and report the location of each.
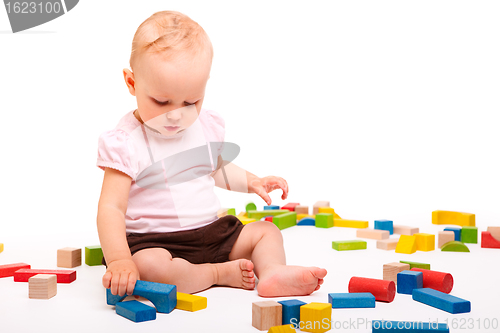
(383, 290)
(63, 275)
(269, 218)
(436, 280)
(290, 206)
(8, 270)
(488, 241)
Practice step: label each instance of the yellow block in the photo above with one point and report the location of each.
(281, 329)
(349, 223)
(245, 220)
(407, 244)
(425, 242)
(301, 216)
(242, 214)
(455, 218)
(1, 247)
(328, 210)
(191, 303)
(315, 317)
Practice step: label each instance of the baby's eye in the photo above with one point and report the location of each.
(161, 103)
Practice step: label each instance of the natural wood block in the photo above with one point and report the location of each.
(372, 234)
(69, 257)
(222, 212)
(445, 237)
(42, 286)
(391, 271)
(266, 314)
(495, 232)
(301, 209)
(320, 204)
(387, 244)
(404, 230)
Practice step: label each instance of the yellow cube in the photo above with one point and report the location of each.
(191, 303)
(407, 244)
(315, 317)
(245, 220)
(425, 242)
(281, 329)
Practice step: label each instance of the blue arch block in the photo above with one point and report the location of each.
(307, 221)
(457, 231)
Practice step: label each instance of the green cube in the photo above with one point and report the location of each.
(324, 220)
(93, 255)
(286, 220)
(416, 264)
(469, 235)
(349, 245)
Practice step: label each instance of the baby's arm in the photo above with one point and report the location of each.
(122, 272)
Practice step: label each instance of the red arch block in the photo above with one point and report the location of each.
(488, 241)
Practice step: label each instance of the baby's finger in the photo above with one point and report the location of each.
(122, 286)
(115, 280)
(106, 280)
(131, 284)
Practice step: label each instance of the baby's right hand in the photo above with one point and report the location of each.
(121, 276)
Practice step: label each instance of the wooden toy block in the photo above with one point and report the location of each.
(324, 220)
(302, 209)
(315, 317)
(93, 255)
(425, 242)
(290, 206)
(42, 286)
(436, 280)
(495, 232)
(455, 218)
(320, 204)
(281, 329)
(245, 220)
(351, 300)
(63, 275)
(350, 223)
(242, 214)
(407, 244)
(284, 221)
(455, 246)
(441, 300)
(69, 257)
(1, 247)
(231, 211)
(136, 311)
(384, 225)
(328, 210)
(266, 314)
(390, 271)
(191, 303)
(307, 221)
(290, 310)
(222, 212)
(348, 245)
(270, 207)
(469, 235)
(488, 241)
(387, 244)
(372, 234)
(250, 206)
(383, 290)
(404, 230)
(256, 214)
(416, 264)
(456, 231)
(408, 326)
(269, 218)
(9, 269)
(303, 216)
(163, 296)
(409, 280)
(445, 237)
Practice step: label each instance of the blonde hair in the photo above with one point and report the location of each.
(170, 33)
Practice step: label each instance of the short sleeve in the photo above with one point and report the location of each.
(113, 151)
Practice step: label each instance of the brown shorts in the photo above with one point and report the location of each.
(209, 244)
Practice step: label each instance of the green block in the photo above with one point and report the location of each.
(258, 214)
(455, 246)
(231, 211)
(286, 220)
(469, 235)
(349, 245)
(416, 264)
(250, 206)
(93, 255)
(324, 220)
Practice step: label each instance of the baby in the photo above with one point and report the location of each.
(157, 214)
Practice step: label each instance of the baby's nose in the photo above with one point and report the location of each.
(174, 114)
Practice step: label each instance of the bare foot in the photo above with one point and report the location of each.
(282, 280)
(237, 273)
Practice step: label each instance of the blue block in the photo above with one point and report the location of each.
(457, 231)
(271, 207)
(290, 310)
(384, 225)
(408, 326)
(307, 221)
(409, 280)
(351, 300)
(136, 311)
(441, 300)
(163, 296)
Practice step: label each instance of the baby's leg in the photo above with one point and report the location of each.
(262, 242)
(157, 265)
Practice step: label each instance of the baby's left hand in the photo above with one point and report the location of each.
(264, 185)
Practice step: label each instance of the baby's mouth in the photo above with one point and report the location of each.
(171, 128)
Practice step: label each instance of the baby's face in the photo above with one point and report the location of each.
(170, 93)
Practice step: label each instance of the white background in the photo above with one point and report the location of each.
(388, 109)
